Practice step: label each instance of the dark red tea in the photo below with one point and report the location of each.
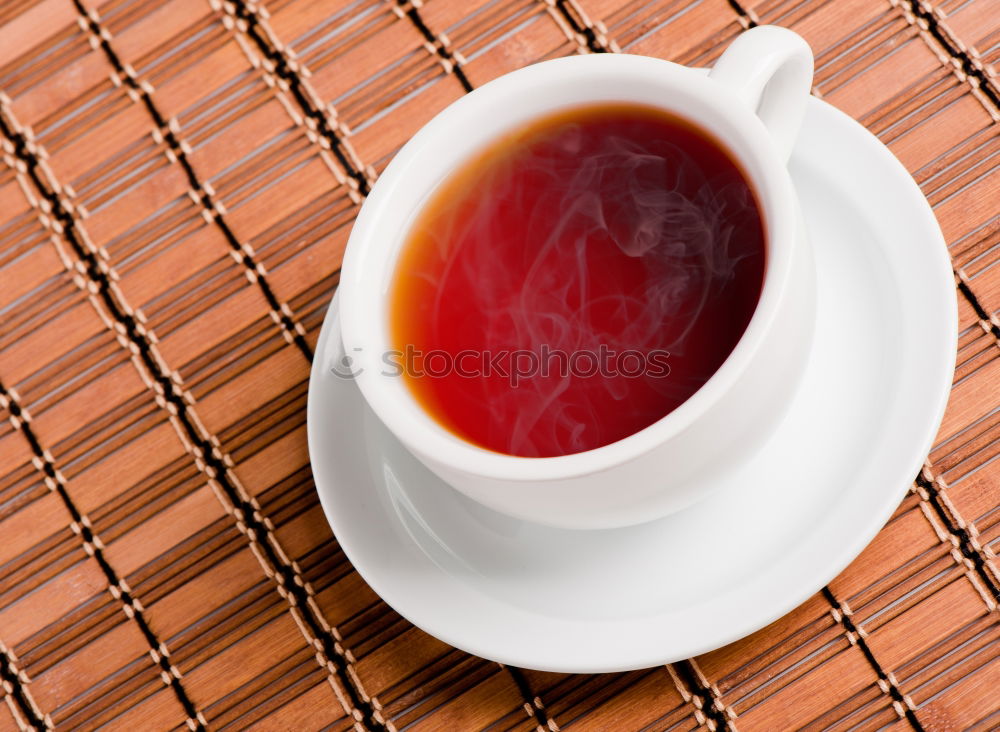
(577, 280)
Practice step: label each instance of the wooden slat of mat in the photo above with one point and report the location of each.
(491, 38)
(367, 67)
(361, 58)
(222, 401)
(38, 546)
(975, 28)
(11, 720)
(691, 33)
(649, 699)
(450, 690)
(917, 603)
(135, 198)
(211, 414)
(313, 299)
(138, 524)
(804, 670)
(269, 152)
(85, 661)
(197, 114)
(173, 528)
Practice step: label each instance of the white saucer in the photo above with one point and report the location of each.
(785, 524)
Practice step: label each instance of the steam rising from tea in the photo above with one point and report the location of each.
(577, 281)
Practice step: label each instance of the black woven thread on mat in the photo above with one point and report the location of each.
(282, 69)
(17, 692)
(411, 12)
(593, 44)
(742, 12)
(206, 202)
(88, 536)
(984, 82)
(962, 535)
(894, 693)
(980, 311)
(532, 701)
(285, 574)
(685, 669)
(215, 466)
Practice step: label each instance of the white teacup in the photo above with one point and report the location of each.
(753, 100)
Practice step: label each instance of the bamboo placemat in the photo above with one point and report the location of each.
(178, 181)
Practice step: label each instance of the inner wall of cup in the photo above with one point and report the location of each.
(451, 139)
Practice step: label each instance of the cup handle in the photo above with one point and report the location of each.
(771, 70)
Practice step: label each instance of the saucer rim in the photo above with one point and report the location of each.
(821, 571)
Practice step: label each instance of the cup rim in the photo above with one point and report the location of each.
(363, 288)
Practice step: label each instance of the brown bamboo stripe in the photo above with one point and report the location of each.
(936, 591)
(650, 699)
(974, 64)
(209, 122)
(439, 43)
(268, 551)
(47, 652)
(928, 578)
(170, 134)
(902, 705)
(287, 67)
(353, 102)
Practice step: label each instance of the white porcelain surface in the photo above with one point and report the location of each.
(735, 410)
(778, 529)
